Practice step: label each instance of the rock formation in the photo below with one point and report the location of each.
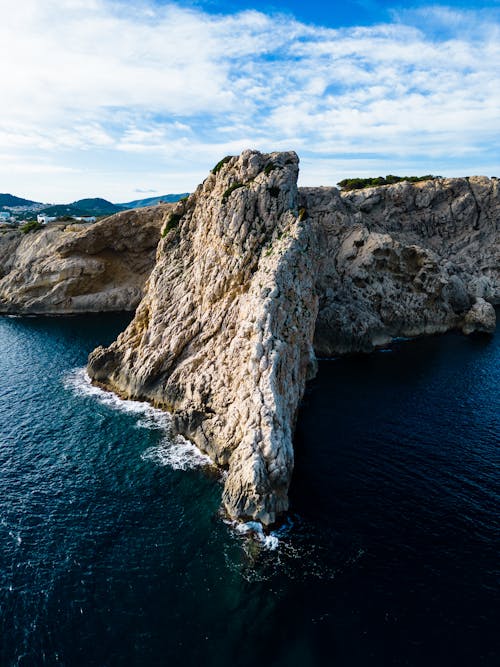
(405, 260)
(65, 269)
(223, 336)
(253, 275)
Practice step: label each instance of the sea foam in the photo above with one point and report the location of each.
(255, 530)
(173, 450)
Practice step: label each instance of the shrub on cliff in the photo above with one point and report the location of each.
(172, 223)
(221, 163)
(360, 183)
(31, 226)
(231, 189)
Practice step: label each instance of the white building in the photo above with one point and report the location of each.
(5, 216)
(44, 219)
(90, 218)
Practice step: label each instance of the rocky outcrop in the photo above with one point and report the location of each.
(405, 260)
(66, 269)
(253, 274)
(223, 338)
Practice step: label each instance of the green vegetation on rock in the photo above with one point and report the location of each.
(269, 168)
(360, 183)
(172, 223)
(31, 226)
(231, 189)
(221, 163)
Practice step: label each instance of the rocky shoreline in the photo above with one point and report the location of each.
(254, 277)
(241, 287)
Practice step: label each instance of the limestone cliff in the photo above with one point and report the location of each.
(252, 274)
(65, 269)
(223, 336)
(405, 260)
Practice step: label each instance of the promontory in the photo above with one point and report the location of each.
(255, 278)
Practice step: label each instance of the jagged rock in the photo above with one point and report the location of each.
(252, 272)
(66, 269)
(223, 336)
(481, 317)
(403, 260)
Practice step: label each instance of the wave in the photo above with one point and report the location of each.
(179, 455)
(173, 450)
(255, 531)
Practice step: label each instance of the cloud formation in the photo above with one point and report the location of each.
(93, 86)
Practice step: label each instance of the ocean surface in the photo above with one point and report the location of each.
(113, 552)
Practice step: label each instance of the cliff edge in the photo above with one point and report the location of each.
(223, 337)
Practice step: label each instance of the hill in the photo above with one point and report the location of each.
(11, 200)
(151, 201)
(83, 207)
(60, 210)
(97, 206)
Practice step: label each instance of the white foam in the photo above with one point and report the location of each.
(255, 530)
(179, 454)
(80, 383)
(173, 451)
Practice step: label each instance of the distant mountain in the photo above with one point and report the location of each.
(83, 208)
(92, 206)
(60, 210)
(151, 201)
(11, 200)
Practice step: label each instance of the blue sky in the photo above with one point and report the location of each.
(116, 98)
(331, 14)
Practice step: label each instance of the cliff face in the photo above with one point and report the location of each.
(66, 269)
(223, 337)
(252, 273)
(405, 260)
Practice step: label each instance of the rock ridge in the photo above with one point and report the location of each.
(228, 346)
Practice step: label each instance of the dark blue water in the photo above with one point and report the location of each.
(112, 551)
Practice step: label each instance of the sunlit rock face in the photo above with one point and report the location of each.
(223, 337)
(253, 276)
(67, 269)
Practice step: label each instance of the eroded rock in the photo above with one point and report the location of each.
(67, 269)
(252, 273)
(223, 337)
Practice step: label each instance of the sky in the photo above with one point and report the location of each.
(125, 99)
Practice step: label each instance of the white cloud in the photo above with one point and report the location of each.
(97, 88)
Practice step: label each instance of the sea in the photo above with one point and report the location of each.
(114, 551)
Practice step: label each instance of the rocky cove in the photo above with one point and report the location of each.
(253, 279)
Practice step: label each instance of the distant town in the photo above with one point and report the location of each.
(17, 212)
